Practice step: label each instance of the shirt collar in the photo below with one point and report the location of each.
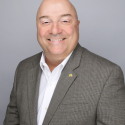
(43, 63)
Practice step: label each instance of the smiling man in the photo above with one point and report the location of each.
(57, 30)
(65, 84)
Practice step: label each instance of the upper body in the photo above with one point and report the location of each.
(94, 95)
(90, 90)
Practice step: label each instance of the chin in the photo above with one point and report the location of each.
(57, 52)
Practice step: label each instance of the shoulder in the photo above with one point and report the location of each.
(30, 61)
(95, 59)
(98, 66)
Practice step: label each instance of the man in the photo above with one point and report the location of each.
(65, 84)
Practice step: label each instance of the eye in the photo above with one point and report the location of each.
(45, 23)
(65, 22)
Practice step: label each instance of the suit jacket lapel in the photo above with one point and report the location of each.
(64, 83)
(34, 75)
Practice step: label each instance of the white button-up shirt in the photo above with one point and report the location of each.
(48, 83)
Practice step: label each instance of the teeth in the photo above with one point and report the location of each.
(56, 39)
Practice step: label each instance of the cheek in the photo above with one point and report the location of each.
(69, 30)
(42, 32)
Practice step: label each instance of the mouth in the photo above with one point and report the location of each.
(56, 40)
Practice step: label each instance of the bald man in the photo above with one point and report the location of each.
(65, 84)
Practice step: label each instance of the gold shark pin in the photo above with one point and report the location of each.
(70, 75)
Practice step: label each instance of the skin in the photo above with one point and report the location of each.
(55, 10)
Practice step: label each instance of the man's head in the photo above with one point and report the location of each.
(57, 27)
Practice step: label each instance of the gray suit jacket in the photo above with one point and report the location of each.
(94, 93)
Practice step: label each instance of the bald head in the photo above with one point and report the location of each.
(65, 3)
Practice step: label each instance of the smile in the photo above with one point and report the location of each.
(56, 40)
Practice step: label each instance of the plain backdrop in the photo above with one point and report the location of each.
(102, 31)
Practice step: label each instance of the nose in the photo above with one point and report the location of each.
(55, 29)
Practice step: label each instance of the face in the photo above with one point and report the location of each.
(57, 28)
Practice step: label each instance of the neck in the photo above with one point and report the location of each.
(53, 62)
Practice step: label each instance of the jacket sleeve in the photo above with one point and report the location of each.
(111, 106)
(12, 115)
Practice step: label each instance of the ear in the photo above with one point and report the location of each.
(78, 24)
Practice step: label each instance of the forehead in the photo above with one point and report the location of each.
(53, 9)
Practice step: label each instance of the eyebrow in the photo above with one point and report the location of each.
(43, 17)
(66, 15)
(61, 16)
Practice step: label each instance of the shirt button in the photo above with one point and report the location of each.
(45, 108)
(50, 84)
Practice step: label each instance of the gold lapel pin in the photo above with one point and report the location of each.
(70, 75)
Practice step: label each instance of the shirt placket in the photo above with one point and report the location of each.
(48, 92)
